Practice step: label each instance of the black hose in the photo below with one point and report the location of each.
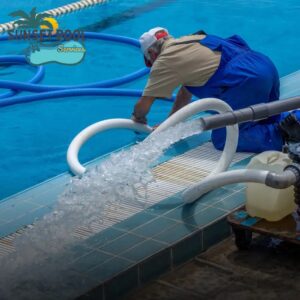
(252, 113)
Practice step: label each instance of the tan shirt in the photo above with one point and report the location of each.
(185, 64)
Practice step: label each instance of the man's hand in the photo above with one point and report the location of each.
(141, 109)
(142, 120)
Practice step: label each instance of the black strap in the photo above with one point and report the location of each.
(200, 32)
(185, 42)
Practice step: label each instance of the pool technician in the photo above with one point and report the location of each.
(209, 66)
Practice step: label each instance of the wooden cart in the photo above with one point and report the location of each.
(243, 226)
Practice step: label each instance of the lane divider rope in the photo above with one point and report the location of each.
(62, 10)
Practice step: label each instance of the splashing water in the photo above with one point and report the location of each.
(38, 269)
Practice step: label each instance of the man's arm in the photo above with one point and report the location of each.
(183, 98)
(142, 108)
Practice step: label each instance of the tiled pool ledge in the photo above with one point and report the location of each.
(137, 243)
(156, 240)
(151, 257)
(26, 207)
(140, 248)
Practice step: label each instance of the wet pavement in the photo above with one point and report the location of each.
(270, 269)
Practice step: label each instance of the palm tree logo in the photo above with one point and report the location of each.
(35, 21)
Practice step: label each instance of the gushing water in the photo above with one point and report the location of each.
(38, 269)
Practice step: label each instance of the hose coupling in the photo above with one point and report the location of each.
(295, 168)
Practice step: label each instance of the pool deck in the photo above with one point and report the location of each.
(266, 271)
(137, 241)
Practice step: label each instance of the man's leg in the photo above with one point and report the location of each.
(265, 135)
(254, 80)
(254, 136)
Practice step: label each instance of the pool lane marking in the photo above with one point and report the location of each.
(58, 11)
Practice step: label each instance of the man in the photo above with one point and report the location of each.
(210, 66)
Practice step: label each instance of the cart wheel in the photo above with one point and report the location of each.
(243, 238)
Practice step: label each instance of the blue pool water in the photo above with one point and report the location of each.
(34, 137)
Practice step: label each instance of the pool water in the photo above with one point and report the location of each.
(34, 137)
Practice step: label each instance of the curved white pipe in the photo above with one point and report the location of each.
(184, 113)
(271, 179)
(213, 104)
(72, 154)
(210, 183)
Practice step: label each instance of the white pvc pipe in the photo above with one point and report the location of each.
(72, 154)
(212, 104)
(219, 177)
(210, 183)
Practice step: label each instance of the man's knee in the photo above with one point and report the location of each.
(255, 138)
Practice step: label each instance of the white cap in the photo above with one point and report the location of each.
(148, 38)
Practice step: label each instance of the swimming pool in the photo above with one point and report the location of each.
(35, 136)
